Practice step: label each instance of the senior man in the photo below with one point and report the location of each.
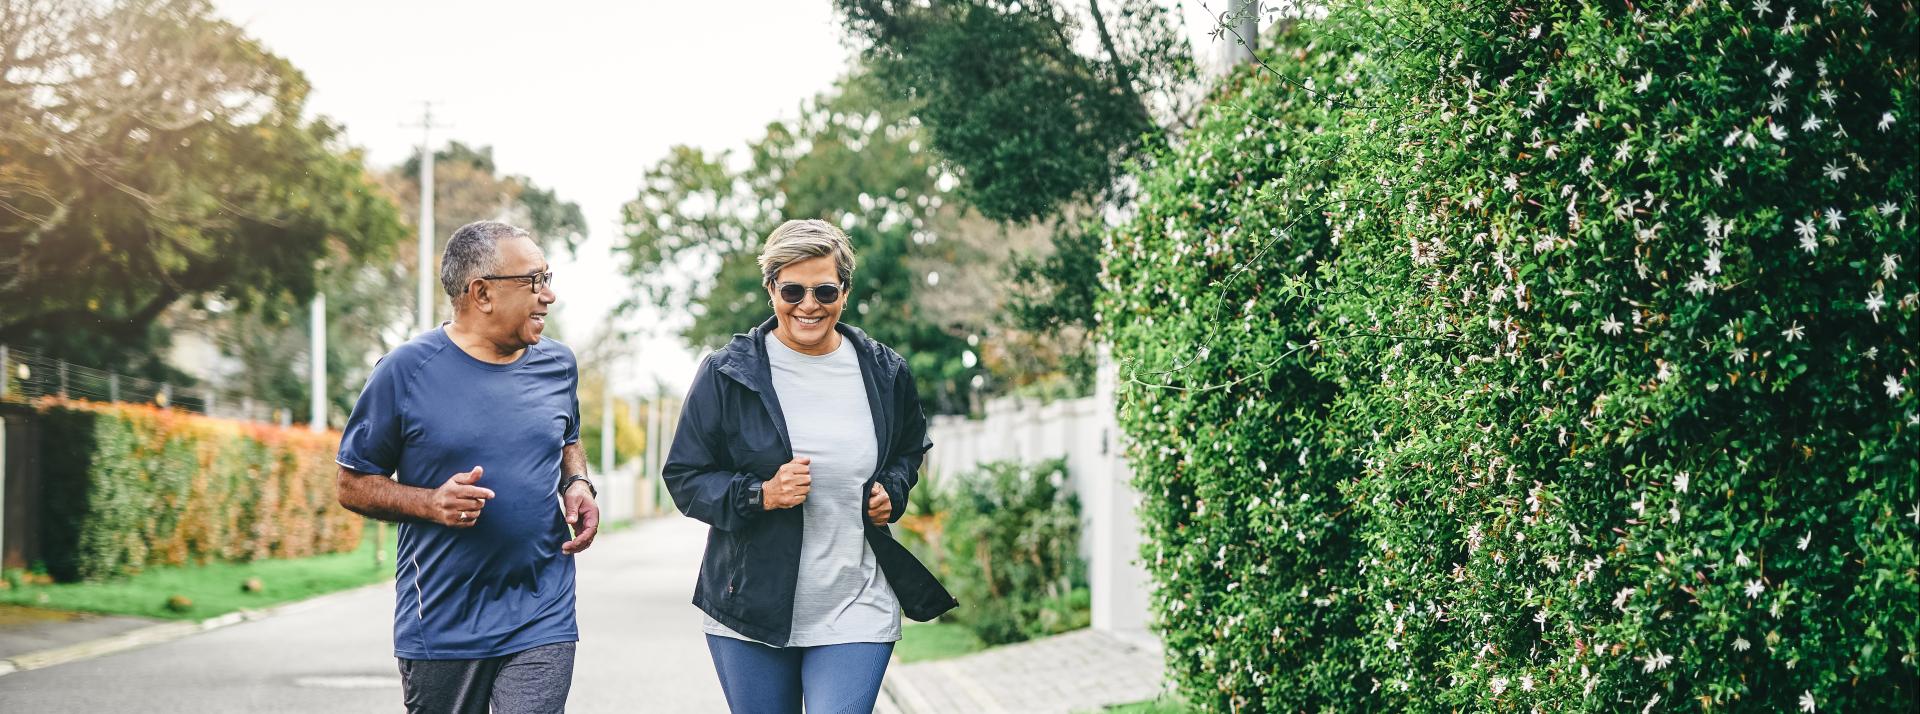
(478, 421)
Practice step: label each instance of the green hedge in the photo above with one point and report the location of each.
(1537, 356)
(1005, 539)
(128, 486)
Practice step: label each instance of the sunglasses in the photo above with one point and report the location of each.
(795, 293)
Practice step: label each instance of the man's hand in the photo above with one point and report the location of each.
(457, 503)
(879, 506)
(789, 486)
(583, 516)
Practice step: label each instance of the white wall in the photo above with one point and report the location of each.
(1083, 431)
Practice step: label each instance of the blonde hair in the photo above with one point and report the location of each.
(795, 241)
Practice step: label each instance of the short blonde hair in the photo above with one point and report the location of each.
(795, 241)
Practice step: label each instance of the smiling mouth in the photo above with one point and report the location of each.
(809, 320)
(540, 317)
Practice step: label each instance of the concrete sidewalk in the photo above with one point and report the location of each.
(1079, 671)
(641, 648)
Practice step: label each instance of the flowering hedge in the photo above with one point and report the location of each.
(1537, 356)
(127, 486)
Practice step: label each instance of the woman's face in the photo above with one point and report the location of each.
(807, 327)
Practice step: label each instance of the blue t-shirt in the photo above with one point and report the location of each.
(430, 411)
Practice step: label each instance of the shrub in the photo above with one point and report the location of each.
(127, 486)
(1010, 536)
(1602, 323)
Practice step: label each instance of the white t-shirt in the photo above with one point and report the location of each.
(841, 595)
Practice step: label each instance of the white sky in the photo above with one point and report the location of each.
(580, 96)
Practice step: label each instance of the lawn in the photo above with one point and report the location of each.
(1166, 704)
(213, 589)
(935, 640)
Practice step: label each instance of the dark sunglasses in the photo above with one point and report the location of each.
(795, 293)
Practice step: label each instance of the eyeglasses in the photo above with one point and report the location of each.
(795, 293)
(534, 280)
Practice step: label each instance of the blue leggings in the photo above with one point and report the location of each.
(833, 679)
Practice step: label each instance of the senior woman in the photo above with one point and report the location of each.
(798, 443)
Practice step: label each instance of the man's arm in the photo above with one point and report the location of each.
(455, 504)
(583, 514)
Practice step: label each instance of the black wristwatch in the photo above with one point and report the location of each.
(567, 483)
(757, 493)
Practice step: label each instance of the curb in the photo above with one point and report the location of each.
(163, 632)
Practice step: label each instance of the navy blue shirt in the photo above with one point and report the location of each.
(430, 411)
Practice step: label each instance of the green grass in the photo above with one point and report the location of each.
(935, 640)
(1165, 704)
(214, 588)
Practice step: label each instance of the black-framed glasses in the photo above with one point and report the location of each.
(795, 293)
(535, 280)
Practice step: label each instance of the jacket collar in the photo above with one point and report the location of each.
(744, 358)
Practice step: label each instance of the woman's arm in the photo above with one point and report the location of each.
(910, 443)
(698, 472)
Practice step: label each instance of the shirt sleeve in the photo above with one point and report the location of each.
(371, 442)
(573, 397)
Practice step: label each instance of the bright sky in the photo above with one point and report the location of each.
(581, 96)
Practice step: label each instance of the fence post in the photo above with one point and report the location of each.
(63, 379)
(165, 397)
(113, 387)
(6, 375)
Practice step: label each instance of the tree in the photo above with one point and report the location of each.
(1032, 121)
(854, 157)
(150, 153)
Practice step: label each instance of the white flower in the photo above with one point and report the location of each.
(1779, 132)
(1876, 301)
(1887, 208)
(1834, 172)
(1834, 219)
(1806, 701)
(1740, 559)
(1886, 121)
(1658, 661)
(1512, 184)
(1740, 644)
(1620, 600)
(1586, 165)
(1580, 123)
(1719, 177)
(1785, 76)
(1813, 123)
(1794, 332)
(1610, 326)
(1747, 141)
(1739, 355)
(1805, 540)
(1526, 683)
(1681, 482)
(1754, 588)
(1698, 284)
(1498, 685)
(1888, 264)
(1827, 95)
(1894, 387)
(1762, 7)
(1777, 104)
(1713, 262)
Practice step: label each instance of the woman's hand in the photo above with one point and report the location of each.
(879, 506)
(789, 486)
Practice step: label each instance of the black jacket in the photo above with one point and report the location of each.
(733, 434)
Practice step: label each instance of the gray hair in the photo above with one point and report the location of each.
(795, 241)
(473, 251)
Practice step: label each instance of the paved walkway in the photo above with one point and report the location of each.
(1075, 672)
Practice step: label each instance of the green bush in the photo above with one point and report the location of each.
(1010, 538)
(1539, 356)
(128, 486)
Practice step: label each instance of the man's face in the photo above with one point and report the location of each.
(515, 312)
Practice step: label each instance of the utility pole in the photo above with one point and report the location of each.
(426, 126)
(317, 379)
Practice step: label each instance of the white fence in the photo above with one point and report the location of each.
(1083, 431)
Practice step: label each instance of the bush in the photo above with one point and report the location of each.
(1577, 343)
(1009, 537)
(128, 486)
